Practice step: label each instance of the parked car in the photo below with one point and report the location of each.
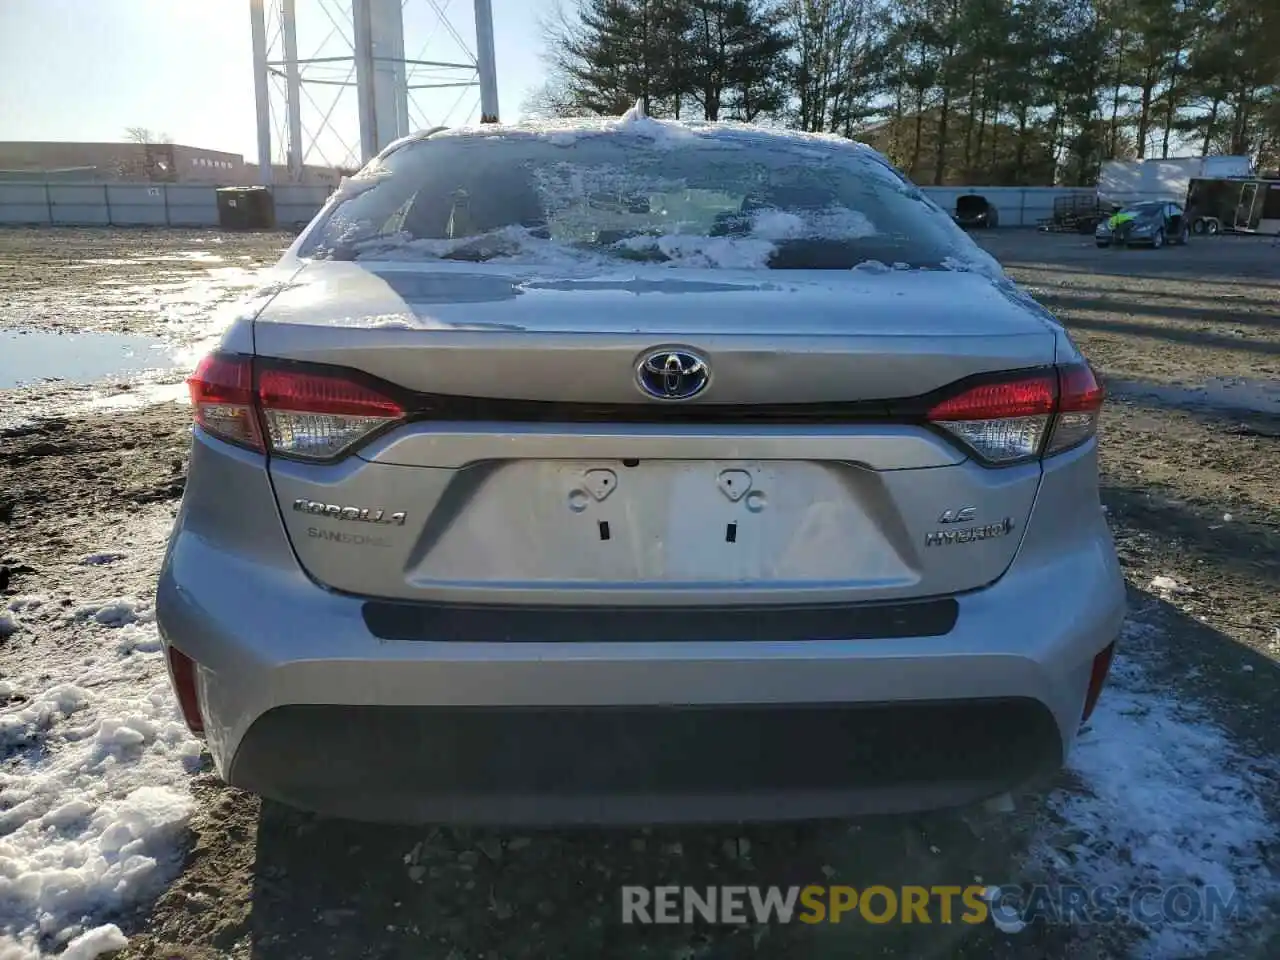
(1153, 223)
(976, 212)
(623, 470)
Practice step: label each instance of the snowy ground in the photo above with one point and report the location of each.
(111, 827)
(97, 762)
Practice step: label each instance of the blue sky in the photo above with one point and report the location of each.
(86, 69)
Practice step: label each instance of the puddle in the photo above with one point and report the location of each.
(1227, 394)
(35, 355)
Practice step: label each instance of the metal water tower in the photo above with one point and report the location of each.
(357, 91)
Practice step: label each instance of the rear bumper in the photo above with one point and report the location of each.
(302, 702)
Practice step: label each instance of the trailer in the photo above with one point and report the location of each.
(1235, 204)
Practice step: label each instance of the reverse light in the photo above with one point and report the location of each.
(319, 415)
(305, 412)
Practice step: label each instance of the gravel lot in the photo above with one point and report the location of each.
(1177, 780)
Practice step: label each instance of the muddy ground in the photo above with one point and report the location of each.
(1190, 481)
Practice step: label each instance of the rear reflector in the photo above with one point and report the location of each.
(222, 399)
(320, 415)
(182, 672)
(1097, 678)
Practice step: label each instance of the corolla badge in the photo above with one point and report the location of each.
(672, 373)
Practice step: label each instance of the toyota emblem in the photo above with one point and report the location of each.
(672, 374)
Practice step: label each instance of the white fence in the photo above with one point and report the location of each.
(1015, 206)
(139, 204)
(190, 205)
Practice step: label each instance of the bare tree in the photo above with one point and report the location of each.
(552, 99)
(144, 136)
(152, 160)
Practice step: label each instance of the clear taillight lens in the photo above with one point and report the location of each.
(1080, 399)
(1002, 422)
(320, 415)
(309, 413)
(1007, 421)
(222, 399)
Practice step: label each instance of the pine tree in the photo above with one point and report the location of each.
(621, 52)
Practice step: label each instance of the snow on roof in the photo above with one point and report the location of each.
(564, 131)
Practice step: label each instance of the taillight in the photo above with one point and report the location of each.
(182, 671)
(1079, 405)
(222, 399)
(319, 415)
(309, 413)
(1008, 421)
(1003, 422)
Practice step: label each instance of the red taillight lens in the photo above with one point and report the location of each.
(1079, 406)
(318, 415)
(182, 671)
(222, 399)
(1003, 422)
(1030, 397)
(1097, 678)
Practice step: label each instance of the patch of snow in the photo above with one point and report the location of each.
(29, 723)
(1166, 785)
(94, 793)
(834, 223)
(971, 258)
(777, 225)
(95, 942)
(689, 250)
(872, 266)
(95, 559)
(137, 638)
(144, 395)
(565, 131)
(391, 321)
(1168, 585)
(513, 244)
(113, 613)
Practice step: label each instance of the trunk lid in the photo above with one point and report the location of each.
(641, 505)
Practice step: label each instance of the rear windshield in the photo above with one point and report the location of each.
(698, 201)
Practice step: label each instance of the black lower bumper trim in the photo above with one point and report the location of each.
(461, 622)
(413, 763)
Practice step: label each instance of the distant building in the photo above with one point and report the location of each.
(154, 162)
(67, 162)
